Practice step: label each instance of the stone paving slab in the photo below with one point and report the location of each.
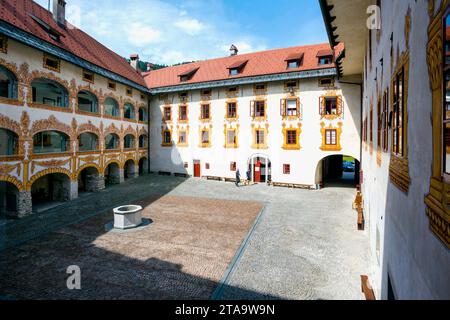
(183, 254)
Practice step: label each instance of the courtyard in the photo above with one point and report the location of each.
(206, 240)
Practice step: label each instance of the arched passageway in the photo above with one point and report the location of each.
(112, 174)
(49, 191)
(90, 180)
(129, 170)
(8, 200)
(339, 171)
(143, 166)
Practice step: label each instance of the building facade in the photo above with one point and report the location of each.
(401, 61)
(68, 122)
(279, 115)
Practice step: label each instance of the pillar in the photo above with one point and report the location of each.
(24, 204)
(121, 175)
(136, 171)
(73, 190)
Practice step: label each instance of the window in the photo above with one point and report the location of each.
(111, 85)
(258, 109)
(87, 102)
(129, 141)
(167, 113)
(88, 76)
(8, 84)
(290, 107)
(52, 63)
(3, 44)
(129, 111)
(231, 110)
(326, 82)
(143, 141)
(293, 64)
(182, 116)
(234, 71)
(112, 141)
(291, 137)
(129, 92)
(398, 114)
(50, 93)
(385, 122)
(233, 166)
(183, 97)
(325, 60)
(205, 114)
(286, 169)
(260, 137)
(9, 143)
(331, 107)
(231, 137)
(232, 92)
(111, 108)
(205, 137)
(207, 166)
(182, 137)
(143, 115)
(291, 86)
(330, 137)
(186, 165)
(167, 138)
(50, 142)
(87, 142)
(206, 92)
(260, 90)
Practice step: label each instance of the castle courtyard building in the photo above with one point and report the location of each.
(281, 115)
(73, 114)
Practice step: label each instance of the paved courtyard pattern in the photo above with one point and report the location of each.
(304, 244)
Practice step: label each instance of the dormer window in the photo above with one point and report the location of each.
(294, 60)
(325, 57)
(188, 75)
(237, 67)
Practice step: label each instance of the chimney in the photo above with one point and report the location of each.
(233, 50)
(135, 61)
(149, 66)
(59, 12)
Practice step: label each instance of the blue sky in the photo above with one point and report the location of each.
(173, 31)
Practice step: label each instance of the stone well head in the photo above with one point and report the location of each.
(127, 217)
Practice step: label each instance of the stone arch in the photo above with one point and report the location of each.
(36, 74)
(43, 173)
(10, 124)
(51, 124)
(89, 165)
(110, 162)
(12, 180)
(95, 94)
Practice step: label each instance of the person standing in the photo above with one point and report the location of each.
(249, 177)
(238, 178)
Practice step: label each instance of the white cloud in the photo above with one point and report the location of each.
(141, 35)
(190, 26)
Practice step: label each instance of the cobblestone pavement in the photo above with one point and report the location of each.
(304, 246)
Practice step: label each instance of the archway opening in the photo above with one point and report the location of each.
(89, 180)
(112, 174)
(260, 169)
(338, 171)
(50, 191)
(129, 169)
(9, 196)
(49, 92)
(9, 143)
(8, 84)
(143, 166)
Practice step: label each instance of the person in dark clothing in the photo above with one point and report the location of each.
(249, 177)
(238, 178)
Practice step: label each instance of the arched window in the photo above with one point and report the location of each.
(50, 142)
(50, 93)
(129, 141)
(111, 108)
(8, 84)
(112, 141)
(87, 142)
(143, 141)
(9, 142)
(143, 115)
(87, 102)
(129, 111)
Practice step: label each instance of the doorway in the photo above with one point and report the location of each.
(197, 169)
(260, 169)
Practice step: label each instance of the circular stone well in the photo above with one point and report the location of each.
(127, 217)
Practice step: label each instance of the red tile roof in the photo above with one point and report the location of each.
(259, 63)
(73, 40)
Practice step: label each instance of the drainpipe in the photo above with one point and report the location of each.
(149, 131)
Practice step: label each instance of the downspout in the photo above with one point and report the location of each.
(149, 131)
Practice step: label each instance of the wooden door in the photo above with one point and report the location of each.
(197, 170)
(257, 172)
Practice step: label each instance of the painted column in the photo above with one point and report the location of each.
(73, 193)
(121, 175)
(24, 204)
(136, 171)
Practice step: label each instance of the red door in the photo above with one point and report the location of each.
(197, 170)
(257, 173)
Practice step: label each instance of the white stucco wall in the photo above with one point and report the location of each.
(417, 262)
